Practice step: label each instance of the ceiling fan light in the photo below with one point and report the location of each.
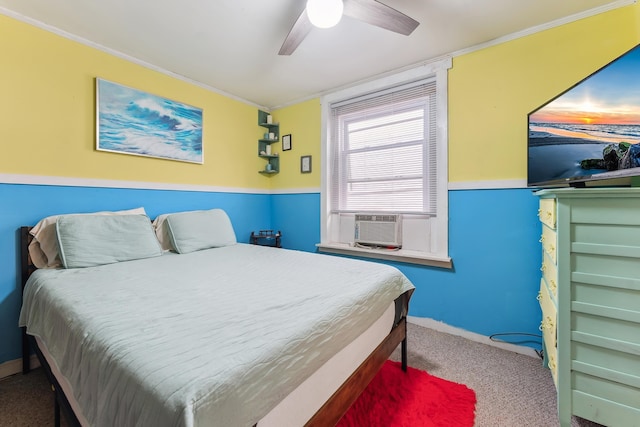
(324, 13)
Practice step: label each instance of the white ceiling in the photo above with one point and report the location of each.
(232, 45)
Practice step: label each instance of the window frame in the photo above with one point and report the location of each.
(438, 252)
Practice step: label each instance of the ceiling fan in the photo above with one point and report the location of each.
(370, 11)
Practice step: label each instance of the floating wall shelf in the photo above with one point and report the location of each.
(271, 135)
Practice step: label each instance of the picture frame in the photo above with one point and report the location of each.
(305, 164)
(130, 121)
(286, 142)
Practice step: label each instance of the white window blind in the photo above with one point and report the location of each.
(383, 151)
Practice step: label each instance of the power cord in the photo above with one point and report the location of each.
(540, 353)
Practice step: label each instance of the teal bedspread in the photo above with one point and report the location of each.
(216, 337)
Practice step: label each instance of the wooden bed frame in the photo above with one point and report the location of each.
(328, 415)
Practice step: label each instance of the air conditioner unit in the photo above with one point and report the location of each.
(379, 230)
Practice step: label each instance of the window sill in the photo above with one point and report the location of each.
(402, 255)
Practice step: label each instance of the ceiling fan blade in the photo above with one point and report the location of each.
(378, 14)
(297, 33)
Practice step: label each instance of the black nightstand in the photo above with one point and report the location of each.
(266, 238)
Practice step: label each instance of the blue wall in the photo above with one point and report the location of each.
(297, 216)
(26, 204)
(493, 241)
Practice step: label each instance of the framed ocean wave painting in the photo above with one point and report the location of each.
(130, 121)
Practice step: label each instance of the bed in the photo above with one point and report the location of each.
(229, 334)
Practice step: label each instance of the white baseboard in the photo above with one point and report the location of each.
(452, 330)
(13, 367)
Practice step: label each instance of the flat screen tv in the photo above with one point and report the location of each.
(590, 132)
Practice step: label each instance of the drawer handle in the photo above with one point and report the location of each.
(552, 363)
(539, 212)
(552, 248)
(539, 297)
(546, 324)
(554, 285)
(543, 268)
(541, 239)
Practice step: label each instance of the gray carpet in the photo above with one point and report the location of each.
(513, 390)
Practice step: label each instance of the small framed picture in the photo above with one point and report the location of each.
(286, 142)
(305, 164)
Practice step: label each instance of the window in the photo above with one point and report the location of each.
(380, 152)
(385, 152)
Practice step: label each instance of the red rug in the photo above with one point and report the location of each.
(412, 399)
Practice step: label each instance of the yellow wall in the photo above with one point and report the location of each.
(492, 90)
(47, 106)
(302, 121)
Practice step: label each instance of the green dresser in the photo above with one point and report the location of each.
(590, 300)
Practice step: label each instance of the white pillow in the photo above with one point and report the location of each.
(160, 226)
(191, 231)
(91, 240)
(43, 249)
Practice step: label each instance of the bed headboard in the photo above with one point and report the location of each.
(26, 268)
(26, 265)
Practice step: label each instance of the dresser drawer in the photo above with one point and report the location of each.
(552, 363)
(549, 317)
(550, 275)
(548, 329)
(547, 212)
(549, 242)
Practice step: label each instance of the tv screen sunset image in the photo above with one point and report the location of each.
(593, 128)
